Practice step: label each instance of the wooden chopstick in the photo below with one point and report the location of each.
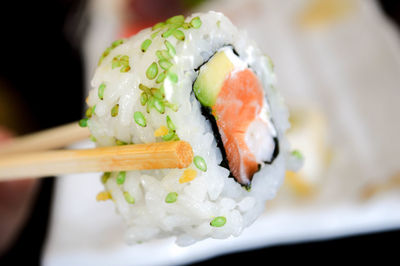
(176, 154)
(53, 138)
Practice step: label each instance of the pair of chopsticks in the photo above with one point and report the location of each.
(32, 155)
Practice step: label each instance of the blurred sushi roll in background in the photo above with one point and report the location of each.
(201, 80)
(309, 137)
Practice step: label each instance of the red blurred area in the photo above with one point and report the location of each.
(141, 14)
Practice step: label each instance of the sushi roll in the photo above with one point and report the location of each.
(201, 80)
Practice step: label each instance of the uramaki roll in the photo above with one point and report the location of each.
(201, 80)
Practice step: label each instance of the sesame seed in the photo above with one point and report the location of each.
(200, 163)
(297, 154)
(105, 176)
(117, 43)
(83, 122)
(114, 110)
(218, 221)
(143, 98)
(173, 77)
(145, 45)
(165, 64)
(120, 142)
(179, 35)
(170, 48)
(178, 19)
(170, 124)
(169, 136)
(158, 26)
(196, 22)
(129, 198)
(152, 71)
(171, 197)
(159, 105)
(161, 77)
(169, 31)
(139, 119)
(121, 177)
(101, 91)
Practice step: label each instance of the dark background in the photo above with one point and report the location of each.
(41, 66)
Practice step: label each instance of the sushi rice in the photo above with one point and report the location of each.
(202, 201)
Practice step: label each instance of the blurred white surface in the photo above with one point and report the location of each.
(85, 232)
(349, 70)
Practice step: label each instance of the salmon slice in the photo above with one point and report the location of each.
(239, 103)
(233, 100)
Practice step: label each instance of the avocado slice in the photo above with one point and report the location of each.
(211, 78)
